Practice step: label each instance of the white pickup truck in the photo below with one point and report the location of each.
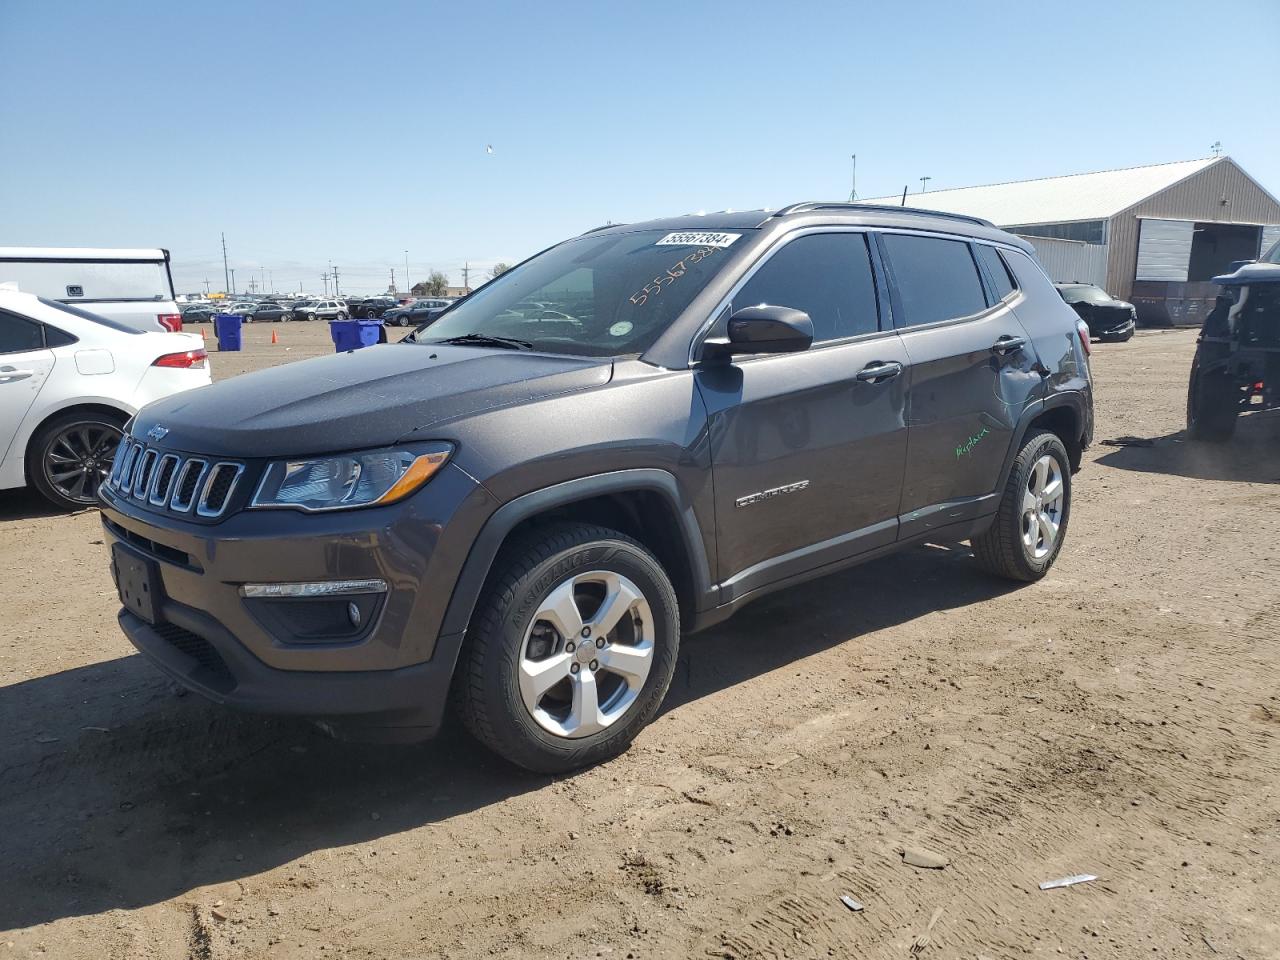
(133, 287)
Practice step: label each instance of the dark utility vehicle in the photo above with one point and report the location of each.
(701, 410)
(1237, 362)
(1107, 317)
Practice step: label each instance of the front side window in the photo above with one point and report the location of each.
(593, 296)
(828, 276)
(937, 279)
(19, 335)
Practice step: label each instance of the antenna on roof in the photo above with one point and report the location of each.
(904, 194)
(1216, 147)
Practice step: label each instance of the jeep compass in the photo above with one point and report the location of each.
(517, 511)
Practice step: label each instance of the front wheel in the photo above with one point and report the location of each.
(341, 315)
(572, 649)
(71, 456)
(1031, 521)
(402, 320)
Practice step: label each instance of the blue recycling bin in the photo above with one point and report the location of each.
(354, 334)
(226, 327)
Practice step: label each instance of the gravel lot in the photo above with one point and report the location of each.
(1120, 718)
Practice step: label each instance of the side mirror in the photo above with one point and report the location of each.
(762, 329)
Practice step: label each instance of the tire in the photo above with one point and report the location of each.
(402, 320)
(341, 315)
(1213, 405)
(494, 685)
(286, 317)
(1017, 545)
(88, 437)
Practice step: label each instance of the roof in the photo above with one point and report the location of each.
(1081, 196)
(80, 253)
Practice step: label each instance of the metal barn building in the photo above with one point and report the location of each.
(1154, 235)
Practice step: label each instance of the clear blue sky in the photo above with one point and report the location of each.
(354, 131)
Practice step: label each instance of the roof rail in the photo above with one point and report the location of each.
(811, 205)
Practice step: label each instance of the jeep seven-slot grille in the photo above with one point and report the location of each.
(173, 481)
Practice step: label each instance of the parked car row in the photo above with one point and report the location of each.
(385, 308)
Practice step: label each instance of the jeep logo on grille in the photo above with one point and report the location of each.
(157, 432)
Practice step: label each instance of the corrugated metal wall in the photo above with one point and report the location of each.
(1068, 260)
(1164, 249)
(1199, 197)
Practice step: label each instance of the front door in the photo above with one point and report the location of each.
(972, 369)
(25, 364)
(808, 448)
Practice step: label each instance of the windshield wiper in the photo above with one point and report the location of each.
(485, 340)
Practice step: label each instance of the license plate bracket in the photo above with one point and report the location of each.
(138, 583)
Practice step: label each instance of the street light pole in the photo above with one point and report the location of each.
(408, 287)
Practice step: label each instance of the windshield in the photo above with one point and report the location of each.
(594, 296)
(1086, 293)
(1273, 255)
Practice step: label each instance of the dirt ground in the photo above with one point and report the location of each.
(1120, 718)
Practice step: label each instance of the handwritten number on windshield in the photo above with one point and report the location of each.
(673, 273)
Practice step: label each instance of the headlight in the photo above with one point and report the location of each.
(349, 480)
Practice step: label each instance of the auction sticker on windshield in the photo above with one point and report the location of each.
(698, 238)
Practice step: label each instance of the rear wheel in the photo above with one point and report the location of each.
(1031, 522)
(572, 649)
(1213, 404)
(71, 456)
(402, 320)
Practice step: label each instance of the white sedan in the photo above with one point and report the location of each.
(69, 380)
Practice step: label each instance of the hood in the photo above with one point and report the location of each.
(1251, 273)
(367, 398)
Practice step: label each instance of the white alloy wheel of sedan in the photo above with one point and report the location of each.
(69, 381)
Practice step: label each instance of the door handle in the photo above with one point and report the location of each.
(875, 372)
(10, 375)
(1008, 344)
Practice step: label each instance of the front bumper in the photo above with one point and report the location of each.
(212, 640)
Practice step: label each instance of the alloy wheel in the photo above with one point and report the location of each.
(79, 459)
(586, 654)
(1042, 503)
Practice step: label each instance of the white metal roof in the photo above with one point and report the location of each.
(1082, 196)
(80, 253)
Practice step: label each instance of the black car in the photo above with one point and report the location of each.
(1107, 317)
(198, 313)
(520, 510)
(264, 312)
(419, 312)
(371, 308)
(1236, 368)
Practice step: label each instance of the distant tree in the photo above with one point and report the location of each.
(499, 269)
(434, 286)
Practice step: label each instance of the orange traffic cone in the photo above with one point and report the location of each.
(274, 338)
(203, 336)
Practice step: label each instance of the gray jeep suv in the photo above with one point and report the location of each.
(519, 511)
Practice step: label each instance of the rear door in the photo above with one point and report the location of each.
(807, 448)
(25, 364)
(973, 369)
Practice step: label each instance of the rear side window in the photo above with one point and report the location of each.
(936, 279)
(828, 276)
(53, 337)
(996, 269)
(19, 335)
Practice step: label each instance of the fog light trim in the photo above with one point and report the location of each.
(322, 588)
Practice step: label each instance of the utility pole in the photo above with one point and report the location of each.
(271, 275)
(408, 287)
(336, 291)
(253, 285)
(466, 275)
(924, 183)
(225, 281)
(325, 278)
(206, 286)
(393, 280)
(233, 281)
(1216, 147)
(853, 186)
